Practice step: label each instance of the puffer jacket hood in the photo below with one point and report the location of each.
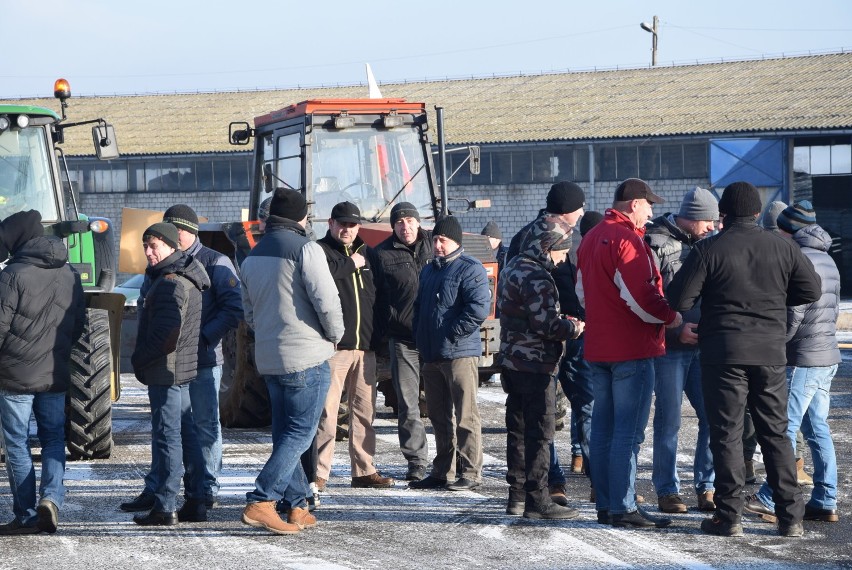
(42, 252)
(813, 236)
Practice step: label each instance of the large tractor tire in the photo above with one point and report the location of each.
(243, 397)
(89, 402)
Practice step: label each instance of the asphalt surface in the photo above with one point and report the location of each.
(400, 527)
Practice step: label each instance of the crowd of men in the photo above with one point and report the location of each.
(703, 302)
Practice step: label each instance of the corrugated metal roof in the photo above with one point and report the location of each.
(797, 93)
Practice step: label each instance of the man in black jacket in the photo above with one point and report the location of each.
(401, 257)
(41, 317)
(353, 366)
(746, 277)
(166, 360)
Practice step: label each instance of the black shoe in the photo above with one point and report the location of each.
(792, 530)
(463, 484)
(48, 516)
(515, 508)
(721, 527)
(551, 512)
(604, 518)
(824, 515)
(415, 472)
(211, 502)
(144, 502)
(639, 519)
(193, 510)
(755, 506)
(429, 483)
(157, 518)
(16, 527)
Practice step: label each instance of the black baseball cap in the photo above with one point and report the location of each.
(636, 189)
(346, 212)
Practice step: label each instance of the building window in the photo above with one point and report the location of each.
(627, 162)
(695, 160)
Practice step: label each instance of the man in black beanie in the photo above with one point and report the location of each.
(452, 302)
(564, 206)
(745, 277)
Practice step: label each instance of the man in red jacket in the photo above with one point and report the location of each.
(626, 315)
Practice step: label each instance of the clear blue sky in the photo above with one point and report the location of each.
(106, 47)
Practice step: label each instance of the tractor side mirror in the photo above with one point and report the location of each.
(106, 147)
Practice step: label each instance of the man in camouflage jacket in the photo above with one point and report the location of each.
(531, 344)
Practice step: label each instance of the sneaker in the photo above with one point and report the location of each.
(671, 504)
(263, 515)
(301, 517)
(372, 481)
(16, 527)
(320, 483)
(706, 502)
(313, 497)
(463, 484)
(750, 475)
(144, 502)
(824, 515)
(755, 506)
(720, 527)
(429, 482)
(557, 494)
(415, 472)
(639, 519)
(551, 512)
(577, 464)
(48, 516)
(803, 478)
(193, 510)
(791, 530)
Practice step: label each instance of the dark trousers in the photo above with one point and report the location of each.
(575, 375)
(727, 391)
(530, 425)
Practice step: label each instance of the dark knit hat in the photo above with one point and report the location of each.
(796, 217)
(589, 220)
(263, 209)
(492, 230)
(448, 226)
(166, 232)
(288, 204)
(404, 210)
(18, 229)
(769, 219)
(183, 217)
(699, 205)
(740, 199)
(564, 198)
(636, 189)
(346, 212)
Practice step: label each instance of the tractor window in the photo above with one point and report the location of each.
(373, 169)
(26, 174)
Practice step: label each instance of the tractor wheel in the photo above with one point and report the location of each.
(89, 400)
(243, 398)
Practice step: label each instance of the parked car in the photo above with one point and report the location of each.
(130, 289)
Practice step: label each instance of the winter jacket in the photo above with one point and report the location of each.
(42, 315)
(811, 329)
(565, 277)
(166, 351)
(621, 289)
(531, 328)
(670, 246)
(396, 285)
(357, 291)
(746, 277)
(453, 300)
(290, 300)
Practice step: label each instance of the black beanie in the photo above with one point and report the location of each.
(450, 227)
(564, 198)
(18, 229)
(404, 210)
(166, 232)
(492, 230)
(740, 199)
(288, 204)
(589, 220)
(183, 217)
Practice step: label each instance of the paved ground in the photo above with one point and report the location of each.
(401, 528)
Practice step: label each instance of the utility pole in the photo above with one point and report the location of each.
(652, 29)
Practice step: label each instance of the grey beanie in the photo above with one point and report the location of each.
(699, 205)
(769, 219)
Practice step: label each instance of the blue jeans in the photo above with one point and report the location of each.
(49, 410)
(622, 393)
(676, 372)
(297, 401)
(807, 408)
(204, 395)
(174, 447)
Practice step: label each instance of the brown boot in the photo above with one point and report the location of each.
(671, 503)
(321, 484)
(577, 464)
(301, 517)
(802, 478)
(558, 496)
(372, 481)
(263, 515)
(705, 501)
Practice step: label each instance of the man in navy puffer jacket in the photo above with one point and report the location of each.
(452, 302)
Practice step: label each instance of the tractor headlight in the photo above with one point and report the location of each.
(23, 121)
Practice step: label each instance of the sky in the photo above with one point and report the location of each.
(109, 47)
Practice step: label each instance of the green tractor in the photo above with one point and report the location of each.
(34, 176)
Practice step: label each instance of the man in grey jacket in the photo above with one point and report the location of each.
(291, 302)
